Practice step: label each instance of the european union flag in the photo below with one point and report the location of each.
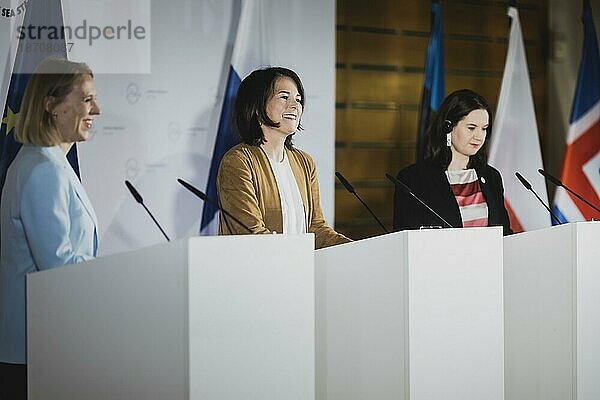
(33, 46)
(434, 87)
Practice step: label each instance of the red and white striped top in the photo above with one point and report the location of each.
(466, 189)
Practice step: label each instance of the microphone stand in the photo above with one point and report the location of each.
(351, 189)
(405, 188)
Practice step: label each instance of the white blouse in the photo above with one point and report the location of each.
(292, 208)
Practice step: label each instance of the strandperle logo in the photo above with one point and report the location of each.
(8, 12)
(106, 35)
(83, 31)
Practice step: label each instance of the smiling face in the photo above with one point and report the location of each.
(469, 134)
(284, 107)
(74, 116)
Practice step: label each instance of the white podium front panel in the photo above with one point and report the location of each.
(205, 318)
(552, 298)
(252, 320)
(411, 315)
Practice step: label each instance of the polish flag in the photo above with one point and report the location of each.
(515, 145)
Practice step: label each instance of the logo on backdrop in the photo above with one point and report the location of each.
(133, 93)
(132, 166)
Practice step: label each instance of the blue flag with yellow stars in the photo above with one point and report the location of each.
(31, 50)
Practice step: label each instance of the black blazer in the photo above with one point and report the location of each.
(428, 181)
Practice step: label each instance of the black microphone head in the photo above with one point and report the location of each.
(134, 192)
(551, 178)
(523, 181)
(344, 182)
(193, 189)
(398, 183)
(395, 181)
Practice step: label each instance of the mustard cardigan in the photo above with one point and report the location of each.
(247, 189)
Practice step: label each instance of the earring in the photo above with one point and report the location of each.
(447, 129)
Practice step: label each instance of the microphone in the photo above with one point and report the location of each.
(205, 198)
(527, 185)
(136, 195)
(406, 189)
(349, 188)
(558, 182)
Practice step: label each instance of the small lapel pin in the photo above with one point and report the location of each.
(482, 179)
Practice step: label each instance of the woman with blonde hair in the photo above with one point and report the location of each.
(46, 218)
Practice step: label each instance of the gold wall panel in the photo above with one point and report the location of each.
(488, 20)
(486, 56)
(392, 14)
(364, 124)
(351, 162)
(397, 50)
(380, 87)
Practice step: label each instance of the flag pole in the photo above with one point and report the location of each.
(586, 4)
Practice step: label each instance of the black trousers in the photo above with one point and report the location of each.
(13, 381)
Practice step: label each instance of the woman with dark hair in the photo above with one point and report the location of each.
(265, 182)
(46, 218)
(454, 179)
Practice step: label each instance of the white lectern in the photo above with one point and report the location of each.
(552, 304)
(411, 315)
(204, 318)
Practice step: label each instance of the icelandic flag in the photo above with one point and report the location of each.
(434, 88)
(581, 164)
(30, 51)
(515, 145)
(250, 51)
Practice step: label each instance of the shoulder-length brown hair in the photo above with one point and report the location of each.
(250, 107)
(52, 81)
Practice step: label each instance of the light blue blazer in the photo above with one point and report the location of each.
(46, 220)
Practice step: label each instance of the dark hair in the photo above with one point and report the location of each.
(250, 108)
(455, 107)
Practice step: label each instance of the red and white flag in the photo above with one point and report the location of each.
(515, 145)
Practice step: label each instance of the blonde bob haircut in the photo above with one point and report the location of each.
(51, 82)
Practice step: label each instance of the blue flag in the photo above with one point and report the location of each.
(434, 87)
(226, 139)
(31, 50)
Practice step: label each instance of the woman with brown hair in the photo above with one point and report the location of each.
(267, 183)
(454, 179)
